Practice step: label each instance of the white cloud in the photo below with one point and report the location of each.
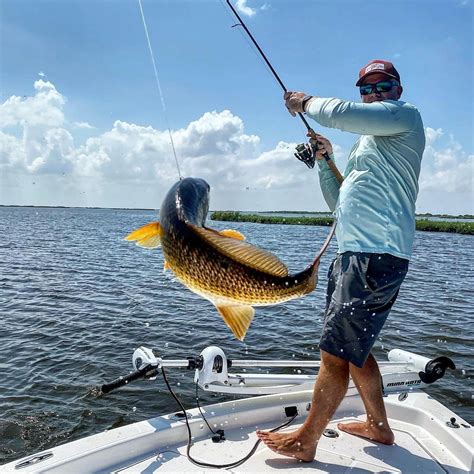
(446, 167)
(214, 147)
(45, 145)
(84, 125)
(432, 135)
(132, 165)
(43, 109)
(242, 7)
(41, 74)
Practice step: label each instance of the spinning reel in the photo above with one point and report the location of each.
(306, 152)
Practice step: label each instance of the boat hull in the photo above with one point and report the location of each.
(424, 441)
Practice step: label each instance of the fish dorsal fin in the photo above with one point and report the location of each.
(148, 236)
(237, 318)
(243, 252)
(235, 234)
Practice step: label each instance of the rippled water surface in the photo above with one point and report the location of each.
(76, 300)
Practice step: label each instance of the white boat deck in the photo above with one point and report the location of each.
(335, 455)
(424, 441)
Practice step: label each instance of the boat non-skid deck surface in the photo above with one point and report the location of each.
(426, 441)
(346, 453)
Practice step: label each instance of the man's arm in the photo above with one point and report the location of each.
(328, 182)
(329, 177)
(378, 118)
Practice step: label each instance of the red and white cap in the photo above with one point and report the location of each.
(378, 66)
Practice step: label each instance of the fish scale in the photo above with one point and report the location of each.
(209, 273)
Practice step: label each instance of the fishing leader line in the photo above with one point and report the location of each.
(158, 83)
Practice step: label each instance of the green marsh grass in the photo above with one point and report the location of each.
(421, 224)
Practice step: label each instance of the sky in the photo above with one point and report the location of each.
(82, 122)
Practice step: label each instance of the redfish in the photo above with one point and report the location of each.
(219, 265)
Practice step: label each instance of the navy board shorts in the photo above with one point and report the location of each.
(362, 288)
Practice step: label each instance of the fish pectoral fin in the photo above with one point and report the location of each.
(242, 252)
(148, 236)
(237, 318)
(166, 266)
(235, 234)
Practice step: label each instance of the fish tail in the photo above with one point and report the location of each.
(312, 279)
(325, 246)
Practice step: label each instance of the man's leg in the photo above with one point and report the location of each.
(367, 381)
(329, 390)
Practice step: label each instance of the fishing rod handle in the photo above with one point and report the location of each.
(332, 166)
(148, 370)
(335, 171)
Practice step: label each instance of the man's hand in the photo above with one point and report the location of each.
(324, 145)
(294, 102)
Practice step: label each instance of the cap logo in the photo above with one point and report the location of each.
(374, 66)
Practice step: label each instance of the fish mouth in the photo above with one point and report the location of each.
(192, 200)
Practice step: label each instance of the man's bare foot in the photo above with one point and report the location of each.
(289, 444)
(365, 429)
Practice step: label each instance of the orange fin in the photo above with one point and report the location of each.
(237, 318)
(243, 252)
(148, 236)
(235, 234)
(166, 266)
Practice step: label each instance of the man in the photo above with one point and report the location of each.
(375, 210)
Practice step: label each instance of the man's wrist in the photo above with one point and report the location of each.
(306, 100)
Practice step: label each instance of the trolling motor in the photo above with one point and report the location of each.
(429, 370)
(409, 371)
(146, 367)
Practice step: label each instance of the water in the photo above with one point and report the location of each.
(76, 300)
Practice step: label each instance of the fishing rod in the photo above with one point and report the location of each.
(305, 152)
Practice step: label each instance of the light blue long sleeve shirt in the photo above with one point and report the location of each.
(375, 205)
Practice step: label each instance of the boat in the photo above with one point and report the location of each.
(429, 437)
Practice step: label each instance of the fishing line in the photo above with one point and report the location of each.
(152, 56)
(190, 442)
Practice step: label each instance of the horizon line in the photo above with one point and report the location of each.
(150, 209)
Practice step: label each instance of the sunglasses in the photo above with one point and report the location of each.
(383, 86)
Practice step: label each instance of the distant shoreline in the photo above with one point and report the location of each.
(81, 207)
(323, 213)
(421, 224)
